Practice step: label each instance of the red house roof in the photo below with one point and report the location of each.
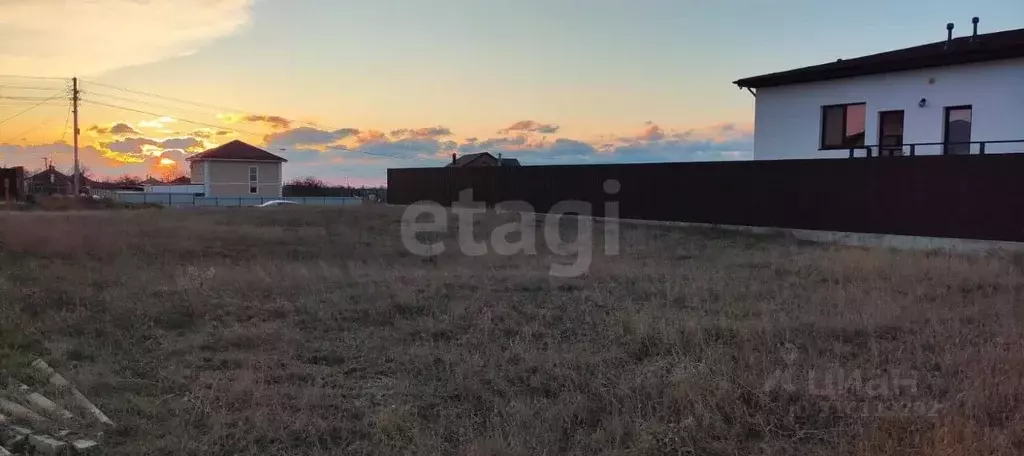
(236, 150)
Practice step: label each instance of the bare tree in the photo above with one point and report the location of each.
(126, 179)
(310, 186)
(170, 172)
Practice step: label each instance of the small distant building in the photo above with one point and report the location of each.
(479, 160)
(237, 169)
(152, 181)
(49, 182)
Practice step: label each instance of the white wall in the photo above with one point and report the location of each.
(787, 119)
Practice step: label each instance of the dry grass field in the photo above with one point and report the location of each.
(314, 331)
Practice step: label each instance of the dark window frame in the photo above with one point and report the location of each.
(892, 150)
(945, 128)
(845, 106)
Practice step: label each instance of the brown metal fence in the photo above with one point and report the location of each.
(971, 196)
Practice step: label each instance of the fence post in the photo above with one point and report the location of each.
(239, 201)
(913, 149)
(981, 148)
(851, 152)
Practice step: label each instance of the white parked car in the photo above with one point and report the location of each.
(276, 203)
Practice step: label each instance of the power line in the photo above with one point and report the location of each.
(40, 124)
(26, 98)
(163, 97)
(377, 154)
(33, 107)
(17, 87)
(220, 109)
(145, 103)
(28, 103)
(67, 118)
(202, 105)
(41, 78)
(204, 124)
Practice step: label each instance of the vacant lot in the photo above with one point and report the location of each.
(309, 331)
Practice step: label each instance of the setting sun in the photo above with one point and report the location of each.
(167, 162)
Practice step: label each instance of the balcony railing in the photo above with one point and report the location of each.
(943, 148)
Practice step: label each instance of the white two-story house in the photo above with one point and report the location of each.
(959, 96)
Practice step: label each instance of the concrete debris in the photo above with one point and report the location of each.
(40, 403)
(84, 403)
(14, 437)
(47, 445)
(18, 411)
(51, 375)
(68, 434)
(86, 446)
(62, 383)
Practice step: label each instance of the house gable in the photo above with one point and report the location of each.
(236, 151)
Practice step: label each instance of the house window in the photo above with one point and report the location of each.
(958, 130)
(890, 133)
(842, 126)
(254, 178)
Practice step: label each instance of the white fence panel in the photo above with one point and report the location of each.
(187, 200)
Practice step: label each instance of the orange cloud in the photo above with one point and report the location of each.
(275, 122)
(530, 126)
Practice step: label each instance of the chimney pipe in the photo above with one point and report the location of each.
(975, 21)
(453, 158)
(949, 34)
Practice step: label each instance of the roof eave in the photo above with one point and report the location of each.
(809, 74)
(281, 160)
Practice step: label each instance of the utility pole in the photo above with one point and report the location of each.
(74, 109)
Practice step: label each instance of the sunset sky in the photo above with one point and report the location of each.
(348, 88)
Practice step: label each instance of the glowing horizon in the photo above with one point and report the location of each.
(409, 84)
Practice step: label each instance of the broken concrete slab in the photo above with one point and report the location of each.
(84, 446)
(14, 437)
(81, 400)
(39, 403)
(44, 405)
(63, 384)
(19, 411)
(10, 432)
(47, 445)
